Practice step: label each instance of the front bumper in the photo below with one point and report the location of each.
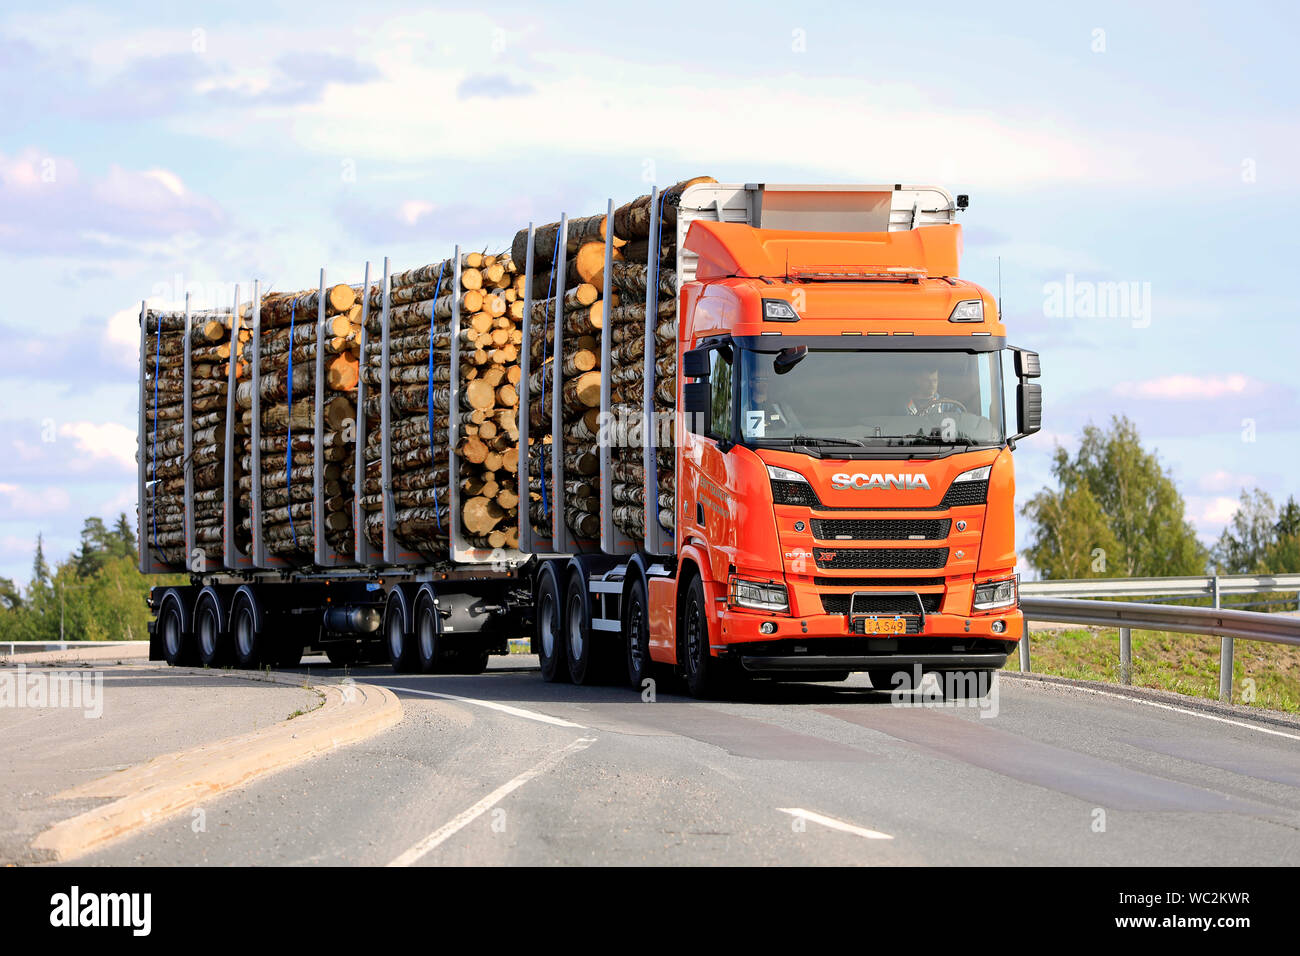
(741, 627)
(765, 663)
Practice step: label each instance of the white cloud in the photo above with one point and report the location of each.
(1181, 387)
(27, 502)
(106, 440)
(1222, 480)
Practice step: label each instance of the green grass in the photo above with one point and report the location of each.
(1183, 663)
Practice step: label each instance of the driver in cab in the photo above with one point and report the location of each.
(924, 391)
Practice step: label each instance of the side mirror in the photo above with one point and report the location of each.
(696, 402)
(1029, 407)
(787, 359)
(1027, 364)
(695, 363)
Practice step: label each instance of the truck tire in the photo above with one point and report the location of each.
(636, 636)
(248, 641)
(707, 677)
(214, 643)
(548, 635)
(178, 645)
(401, 645)
(428, 638)
(580, 646)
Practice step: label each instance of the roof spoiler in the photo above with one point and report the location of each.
(727, 249)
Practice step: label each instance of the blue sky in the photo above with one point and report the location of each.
(146, 150)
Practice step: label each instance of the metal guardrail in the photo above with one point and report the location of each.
(1196, 586)
(33, 647)
(1067, 602)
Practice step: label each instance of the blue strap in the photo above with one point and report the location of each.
(288, 429)
(654, 458)
(153, 450)
(428, 400)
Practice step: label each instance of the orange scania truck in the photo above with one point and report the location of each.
(845, 488)
(843, 497)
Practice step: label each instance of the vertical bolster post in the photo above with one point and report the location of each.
(525, 401)
(385, 425)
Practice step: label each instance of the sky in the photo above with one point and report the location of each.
(1133, 169)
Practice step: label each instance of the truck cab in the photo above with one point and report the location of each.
(846, 489)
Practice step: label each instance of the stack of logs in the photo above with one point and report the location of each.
(490, 300)
(288, 338)
(208, 346)
(586, 319)
(584, 315)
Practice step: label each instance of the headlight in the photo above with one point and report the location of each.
(975, 474)
(784, 474)
(779, 310)
(759, 595)
(995, 594)
(791, 488)
(968, 310)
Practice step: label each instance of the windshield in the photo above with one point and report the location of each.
(892, 398)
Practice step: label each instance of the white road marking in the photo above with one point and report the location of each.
(835, 824)
(1180, 710)
(461, 820)
(490, 705)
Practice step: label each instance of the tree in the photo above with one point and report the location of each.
(1241, 547)
(11, 598)
(1282, 556)
(124, 534)
(38, 589)
(1135, 518)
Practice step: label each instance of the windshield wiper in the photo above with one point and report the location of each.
(815, 440)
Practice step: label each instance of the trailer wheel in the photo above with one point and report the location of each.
(178, 646)
(583, 647)
(548, 637)
(214, 644)
(706, 675)
(401, 645)
(636, 636)
(428, 638)
(249, 644)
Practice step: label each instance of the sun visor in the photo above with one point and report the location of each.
(728, 249)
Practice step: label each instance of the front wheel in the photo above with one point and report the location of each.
(706, 675)
(636, 636)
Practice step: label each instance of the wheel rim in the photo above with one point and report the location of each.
(693, 639)
(172, 632)
(547, 619)
(428, 634)
(244, 632)
(396, 644)
(635, 618)
(208, 631)
(575, 628)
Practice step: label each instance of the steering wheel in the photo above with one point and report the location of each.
(942, 406)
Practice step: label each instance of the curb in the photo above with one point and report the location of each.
(1258, 715)
(164, 786)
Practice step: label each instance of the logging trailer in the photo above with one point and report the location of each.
(843, 498)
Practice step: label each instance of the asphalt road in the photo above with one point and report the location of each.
(503, 768)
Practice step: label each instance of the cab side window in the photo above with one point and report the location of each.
(720, 368)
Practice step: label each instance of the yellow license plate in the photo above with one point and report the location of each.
(884, 625)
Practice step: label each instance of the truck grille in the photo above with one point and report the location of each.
(824, 582)
(881, 604)
(880, 529)
(861, 559)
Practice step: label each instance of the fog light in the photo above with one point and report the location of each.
(769, 627)
(999, 627)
